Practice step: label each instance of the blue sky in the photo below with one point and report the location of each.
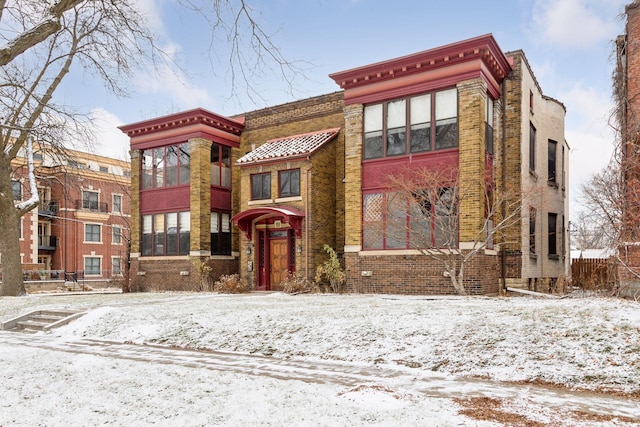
(568, 43)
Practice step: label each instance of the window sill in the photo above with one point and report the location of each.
(553, 184)
(554, 257)
(533, 256)
(92, 243)
(533, 174)
(260, 202)
(289, 199)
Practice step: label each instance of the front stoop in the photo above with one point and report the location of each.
(40, 320)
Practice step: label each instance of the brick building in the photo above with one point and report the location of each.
(308, 173)
(80, 229)
(626, 89)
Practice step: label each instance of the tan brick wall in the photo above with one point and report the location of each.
(547, 116)
(471, 123)
(353, 130)
(325, 187)
(200, 196)
(135, 201)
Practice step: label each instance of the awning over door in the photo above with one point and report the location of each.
(291, 216)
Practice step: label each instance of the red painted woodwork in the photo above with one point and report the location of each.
(220, 198)
(167, 199)
(375, 172)
(426, 71)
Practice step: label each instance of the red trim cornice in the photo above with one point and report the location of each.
(428, 70)
(185, 121)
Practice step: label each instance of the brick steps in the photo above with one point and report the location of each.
(40, 320)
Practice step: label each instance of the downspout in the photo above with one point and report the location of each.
(503, 252)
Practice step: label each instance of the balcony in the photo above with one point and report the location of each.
(48, 209)
(91, 206)
(47, 243)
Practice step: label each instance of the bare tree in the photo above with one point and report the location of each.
(424, 203)
(601, 223)
(42, 40)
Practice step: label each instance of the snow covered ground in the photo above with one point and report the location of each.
(277, 359)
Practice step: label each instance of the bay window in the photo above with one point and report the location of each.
(166, 234)
(165, 166)
(404, 125)
(427, 219)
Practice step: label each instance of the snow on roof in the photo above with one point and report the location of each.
(296, 145)
(592, 253)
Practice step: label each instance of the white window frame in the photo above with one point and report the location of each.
(85, 233)
(113, 203)
(84, 265)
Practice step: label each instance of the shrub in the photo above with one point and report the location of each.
(231, 284)
(294, 284)
(331, 271)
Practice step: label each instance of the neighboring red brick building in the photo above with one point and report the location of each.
(626, 90)
(294, 177)
(80, 230)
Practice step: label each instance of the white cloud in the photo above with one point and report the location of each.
(110, 141)
(169, 80)
(574, 23)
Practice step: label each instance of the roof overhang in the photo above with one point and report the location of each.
(441, 67)
(244, 220)
(183, 126)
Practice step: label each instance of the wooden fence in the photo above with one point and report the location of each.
(594, 274)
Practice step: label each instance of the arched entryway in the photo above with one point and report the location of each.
(272, 232)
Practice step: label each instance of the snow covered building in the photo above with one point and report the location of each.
(261, 193)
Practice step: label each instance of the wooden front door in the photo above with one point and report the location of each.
(278, 262)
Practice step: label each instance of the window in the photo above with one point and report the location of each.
(553, 219)
(396, 127)
(221, 165)
(158, 167)
(532, 230)
(446, 119)
(117, 203)
(563, 170)
(92, 266)
(220, 233)
(420, 116)
(165, 166)
(166, 234)
(551, 163)
(116, 266)
(90, 200)
(116, 237)
(104, 169)
(531, 100)
(428, 219)
(92, 233)
(488, 130)
(16, 187)
(289, 183)
(532, 148)
(404, 125)
(261, 186)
